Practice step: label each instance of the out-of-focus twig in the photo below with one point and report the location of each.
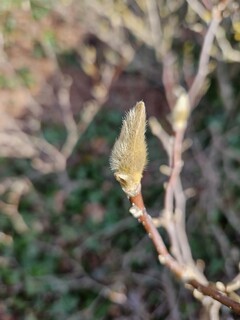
(70, 124)
(15, 189)
(171, 296)
(229, 53)
(155, 25)
(199, 9)
(195, 91)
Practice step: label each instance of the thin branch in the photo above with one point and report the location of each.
(196, 88)
(170, 77)
(198, 8)
(155, 26)
(228, 52)
(180, 222)
(216, 295)
(70, 124)
(181, 271)
(171, 296)
(157, 240)
(176, 168)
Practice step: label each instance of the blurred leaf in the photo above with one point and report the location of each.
(26, 76)
(63, 306)
(40, 8)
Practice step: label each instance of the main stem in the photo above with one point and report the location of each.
(179, 270)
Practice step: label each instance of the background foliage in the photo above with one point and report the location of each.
(68, 71)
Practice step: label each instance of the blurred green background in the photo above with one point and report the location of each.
(68, 72)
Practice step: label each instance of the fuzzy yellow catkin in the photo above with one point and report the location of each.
(129, 154)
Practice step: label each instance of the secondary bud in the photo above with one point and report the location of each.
(181, 111)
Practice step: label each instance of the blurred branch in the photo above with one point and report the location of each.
(195, 91)
(70, 124)
(170, 77)
(234, 285)
(171, 296)
(229, 54)
(181, 271)
(199, 9)
(14, 190)
(155, 24)
(161, 134)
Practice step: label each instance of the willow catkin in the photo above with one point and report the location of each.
(129, 154)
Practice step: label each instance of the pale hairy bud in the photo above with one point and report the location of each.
(181, 111)
(129, 154)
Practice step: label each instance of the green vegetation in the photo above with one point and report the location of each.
(71, 250)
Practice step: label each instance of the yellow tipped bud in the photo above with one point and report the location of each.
(181, 111)
(129, 154)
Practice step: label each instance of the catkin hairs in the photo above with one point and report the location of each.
(129, 154)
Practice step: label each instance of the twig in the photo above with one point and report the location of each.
(195, 90)
(214, 311)
(198, 8)
(170, 77)
(70, 124)
(146, 220)
(228, 52)
(139, 211)
(216, 295)
(176, 168)
(155, 25)
(180, 202)
(171, 296)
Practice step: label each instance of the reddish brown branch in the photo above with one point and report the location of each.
(179, 270)
(216, 295)
(146, 221)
